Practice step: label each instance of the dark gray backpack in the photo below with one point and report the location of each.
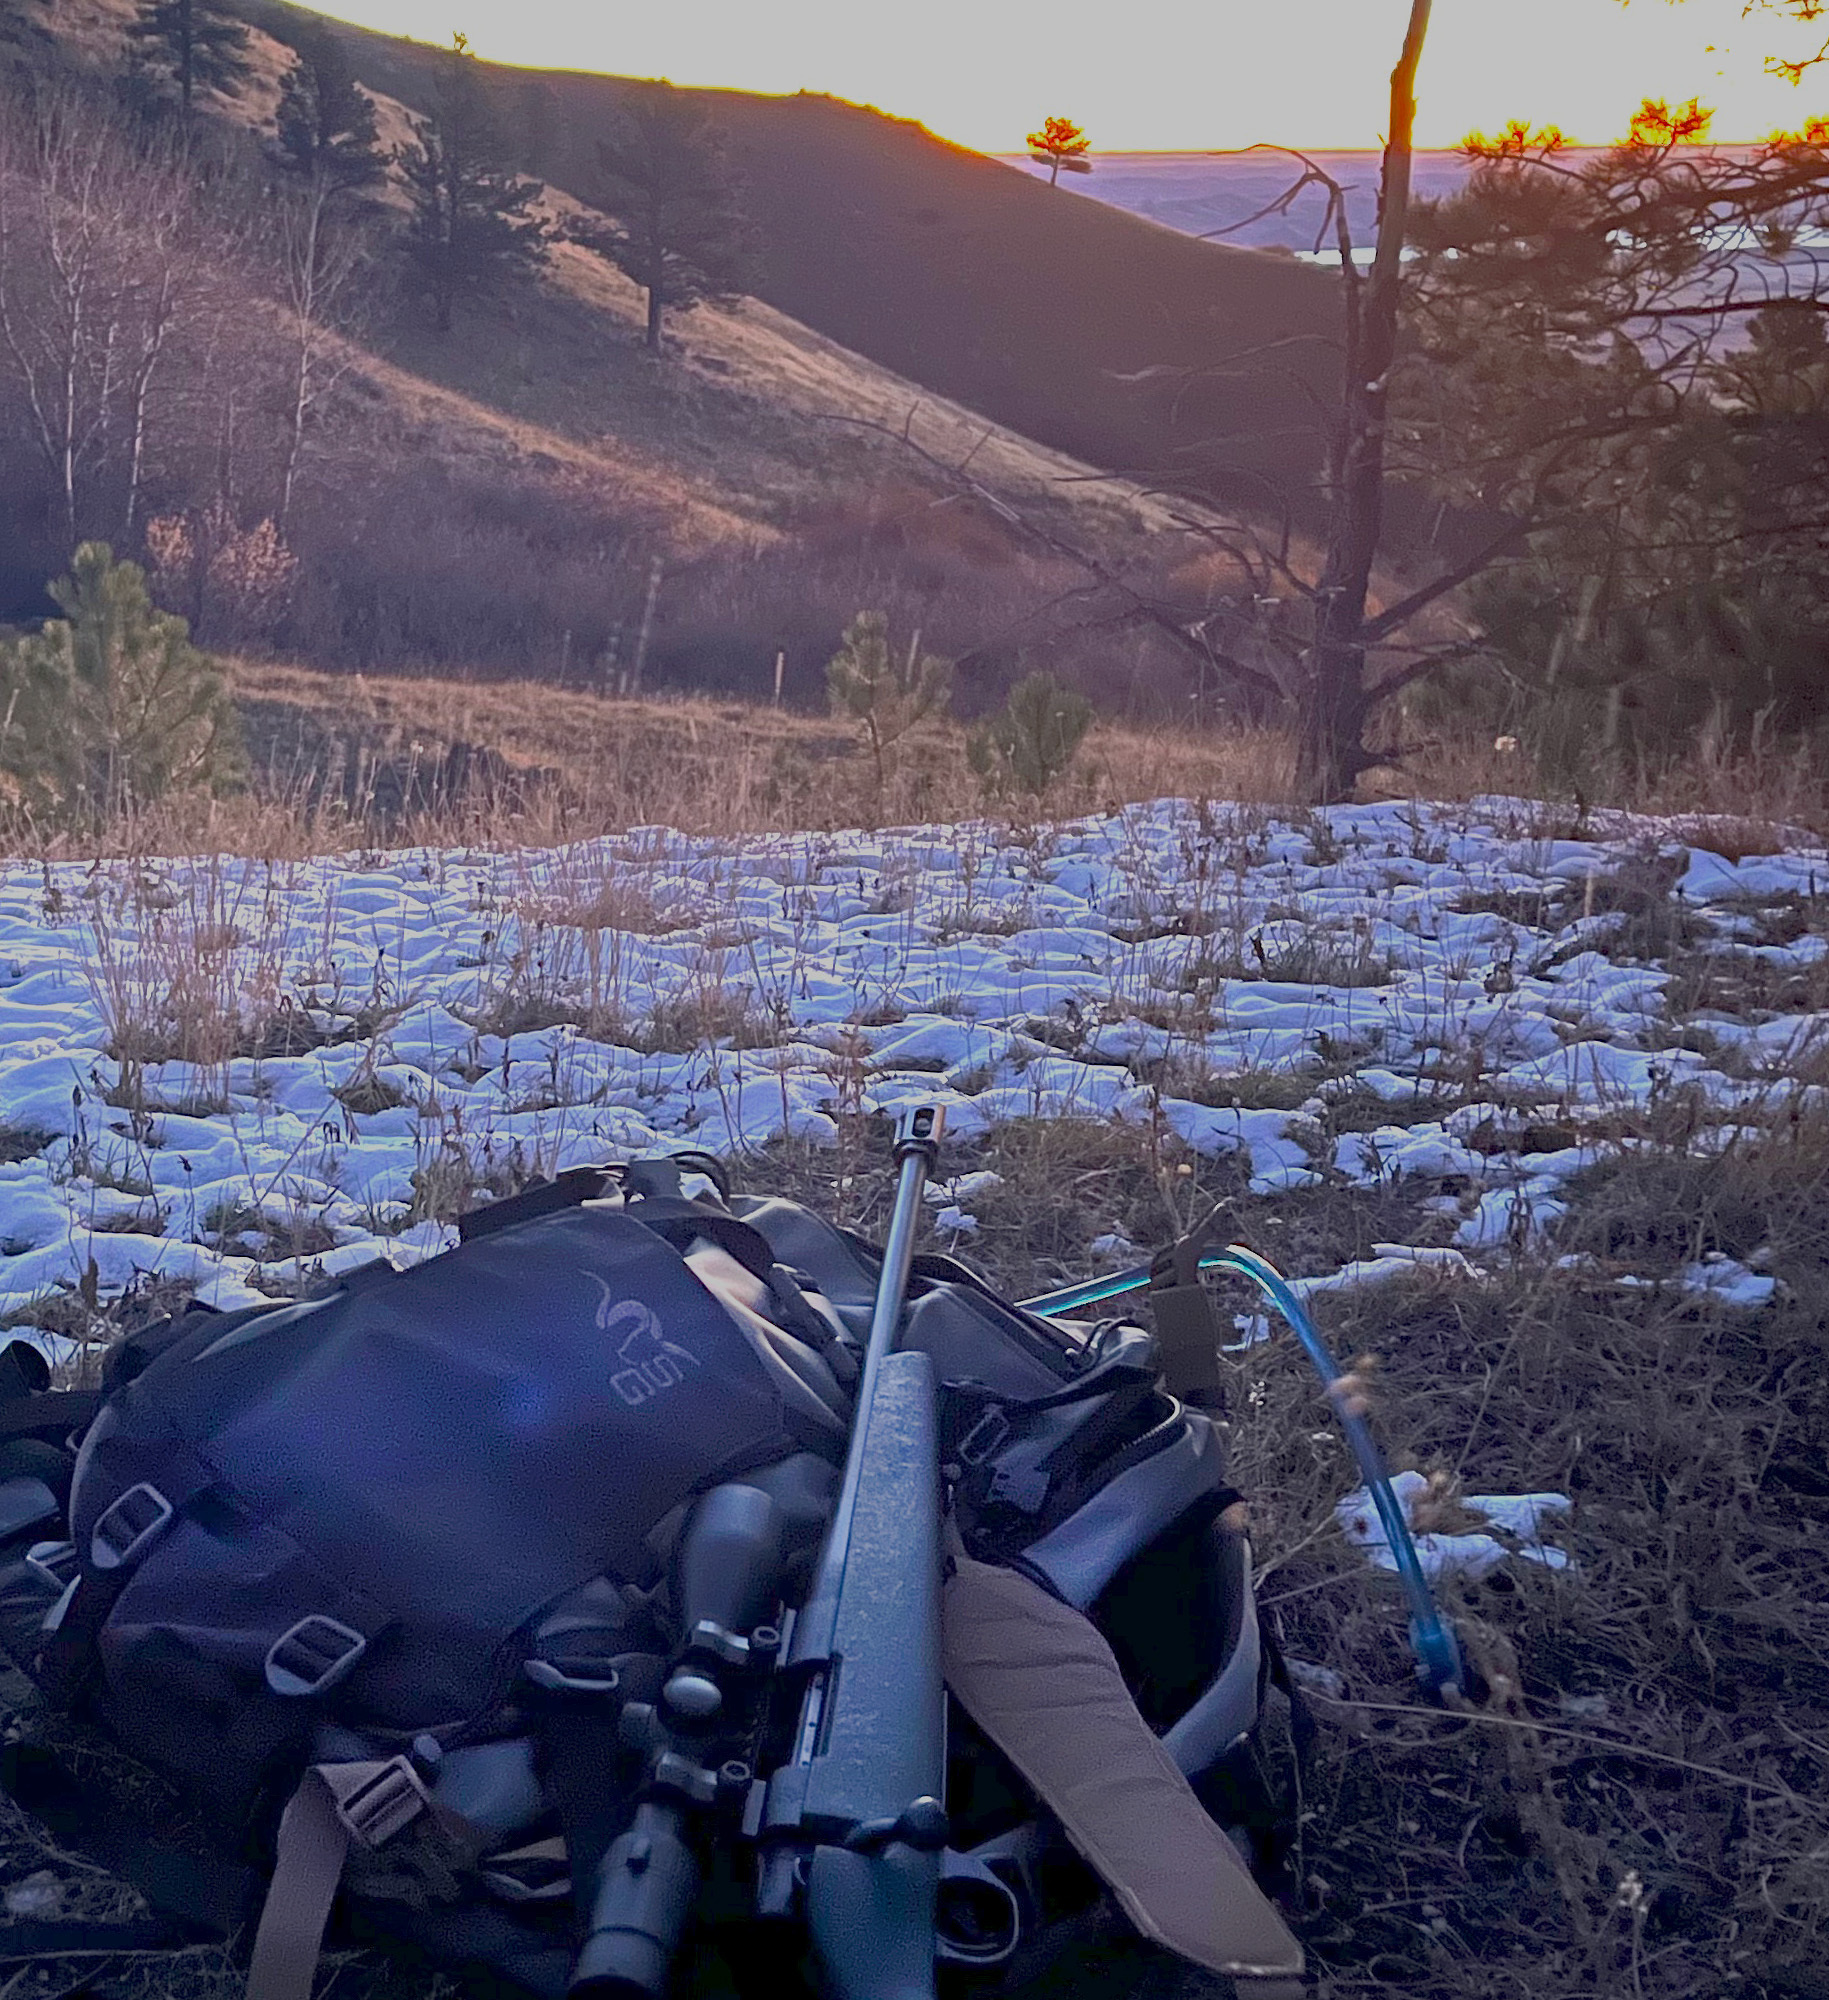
(430, 1540)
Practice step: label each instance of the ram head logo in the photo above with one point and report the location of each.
(648, 1364)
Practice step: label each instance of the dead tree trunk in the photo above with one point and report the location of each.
(1336, 700)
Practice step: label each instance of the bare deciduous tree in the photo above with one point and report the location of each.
(107, 264)
(319, 263)
(1338, 696)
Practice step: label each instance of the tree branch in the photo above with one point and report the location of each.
(1190, 636)
(1388, 621)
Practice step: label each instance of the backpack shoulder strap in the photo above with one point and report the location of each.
(336, 1807)
(200, 1895)
(1017, 1661)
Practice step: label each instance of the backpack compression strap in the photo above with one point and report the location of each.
(1038, 1678)
(335, 1807)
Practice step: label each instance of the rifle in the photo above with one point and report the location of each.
(850, 1824)
(855, 1818)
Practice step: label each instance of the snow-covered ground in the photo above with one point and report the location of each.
(461, 1020)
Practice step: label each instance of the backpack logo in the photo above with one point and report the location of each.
(648, 1363)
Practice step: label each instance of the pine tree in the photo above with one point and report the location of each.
(111, 705)
(25, 40)
(888, 693)
(41, 761)
(1060, 143)
(325, 124)
(470, 222)
(188, 45)
(1034, 740)
(678, 230)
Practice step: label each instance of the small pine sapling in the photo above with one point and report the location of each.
(1034, 740)
(112, 706)
(886, 691)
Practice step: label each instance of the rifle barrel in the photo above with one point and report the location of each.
(917, 1139)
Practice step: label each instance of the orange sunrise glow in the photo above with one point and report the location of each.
(1164, 75)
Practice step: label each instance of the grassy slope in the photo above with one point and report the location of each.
(1069, 321)
(523, 471)
(739, 439)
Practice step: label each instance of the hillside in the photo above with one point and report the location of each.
(1136, 348)
(533, 491)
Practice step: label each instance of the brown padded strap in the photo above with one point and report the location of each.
(1038, 1678)
(315, 1832)
(313, 1843)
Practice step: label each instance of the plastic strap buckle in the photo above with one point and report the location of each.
(128, 1525)
(583, 1675)
(984, 1436)
(375, 1802)
(313, 1655)
(56, 1562)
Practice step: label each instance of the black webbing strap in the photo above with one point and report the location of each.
(658, 1205)
(587, 1773)
(1187, 1329)
(39, 1938)
(67, 1659)
(55, 1411)
(1303, 1730)
(24, 1371)
(201, 1894)
(676, 1221)
(570, 1189)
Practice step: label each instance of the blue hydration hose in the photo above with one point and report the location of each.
(1432, 1640)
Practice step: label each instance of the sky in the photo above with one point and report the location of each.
(1166, 75)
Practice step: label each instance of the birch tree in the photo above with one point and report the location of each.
(107, 265)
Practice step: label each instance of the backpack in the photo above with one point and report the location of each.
(409, 1560)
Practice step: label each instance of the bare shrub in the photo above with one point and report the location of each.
(235, 582)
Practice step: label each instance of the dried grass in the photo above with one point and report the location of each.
(1636, 1800)
(494, 764)
(172, 975)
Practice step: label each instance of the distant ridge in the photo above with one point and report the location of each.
(1191, 365)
